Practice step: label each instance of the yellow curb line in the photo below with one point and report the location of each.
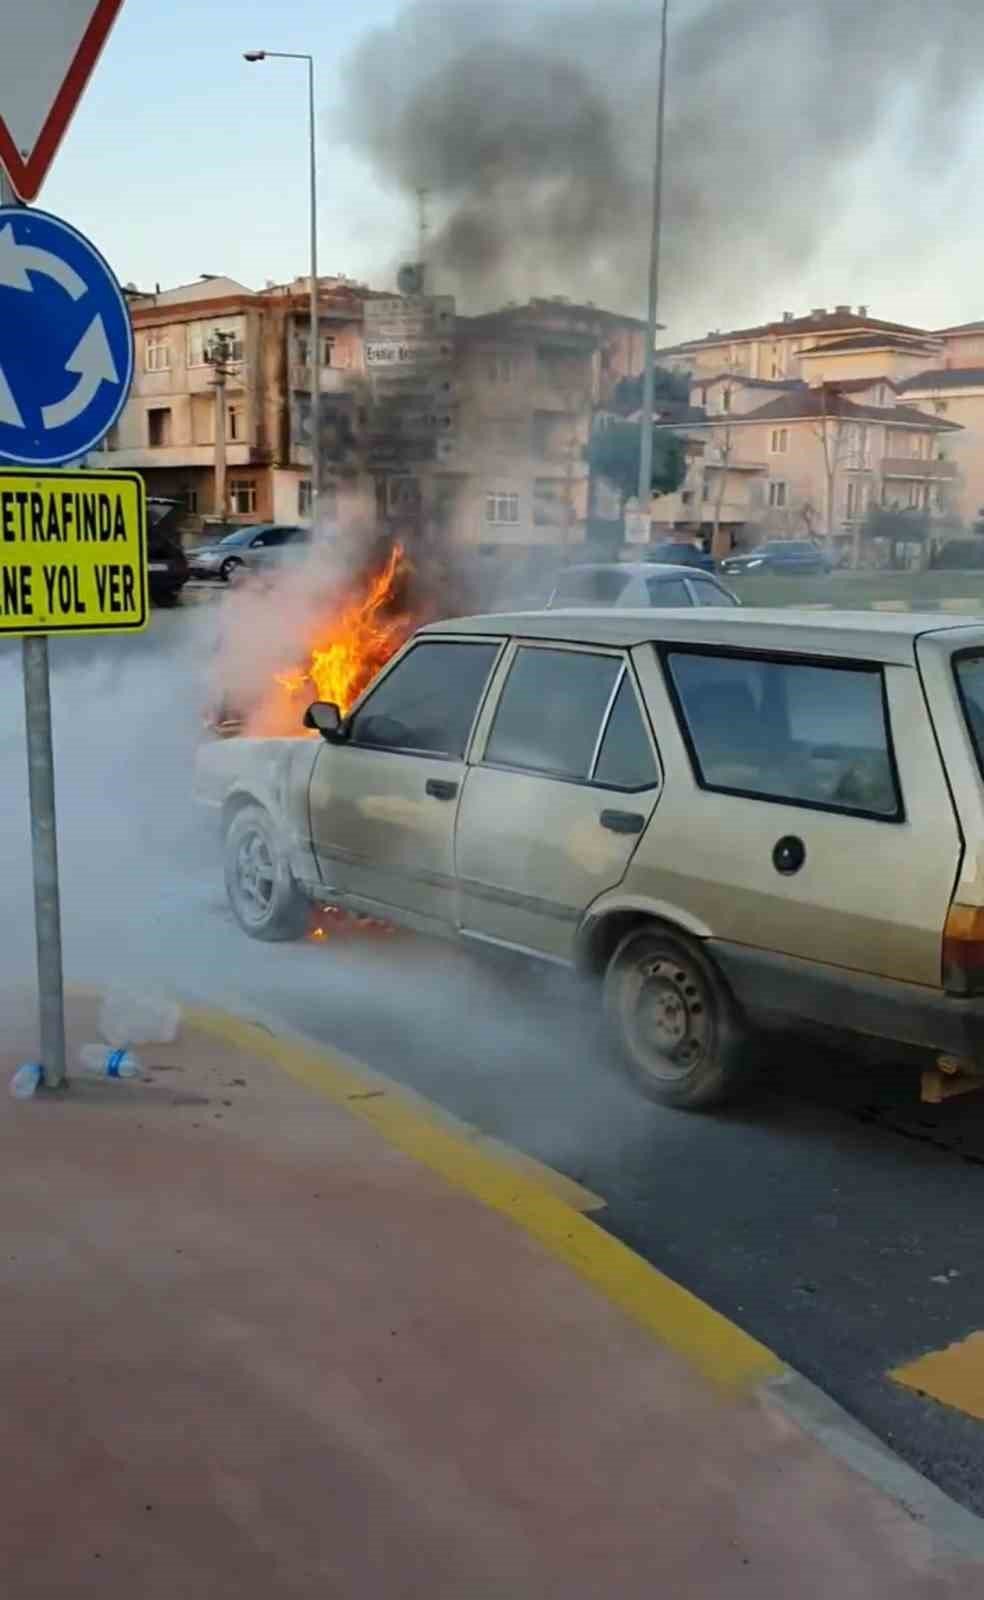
(954, 1376)
(717, 1348)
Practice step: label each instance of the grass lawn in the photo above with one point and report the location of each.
(908, 591)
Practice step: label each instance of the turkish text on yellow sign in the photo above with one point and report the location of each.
(73, 552)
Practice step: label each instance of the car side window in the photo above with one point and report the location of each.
(428, 702)
(668, 592)
(625, 760)
(789, 731)
(550, 713)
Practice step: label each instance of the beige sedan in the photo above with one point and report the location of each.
(736, 819)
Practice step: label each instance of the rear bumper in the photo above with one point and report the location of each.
(772, 988)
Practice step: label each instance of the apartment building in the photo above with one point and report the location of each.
(781, 350)
(808, 460)
(168, 429)
(528, 382)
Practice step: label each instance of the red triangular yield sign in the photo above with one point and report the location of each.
(45, 64)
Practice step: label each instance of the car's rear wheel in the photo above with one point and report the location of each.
(676, 1024)
(229, 568)
(265, 900)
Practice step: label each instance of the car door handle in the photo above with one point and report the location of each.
(440, 789)
(623, 821)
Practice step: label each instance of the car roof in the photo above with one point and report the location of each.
(868, 635)
(634, 569)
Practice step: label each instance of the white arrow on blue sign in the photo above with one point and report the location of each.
(66, 343)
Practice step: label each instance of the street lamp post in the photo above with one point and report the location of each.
(646, 434)
(314, 351)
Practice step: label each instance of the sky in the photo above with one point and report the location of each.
(183, 159)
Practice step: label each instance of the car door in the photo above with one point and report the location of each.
(383, 801)
(805, 811)
(555, 802)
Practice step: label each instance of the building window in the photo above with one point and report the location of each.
(157, 353)
(726, 399)
(242, 496)
(780, 441)
(502, 509)
(777, 496)
(500, 367)
(159, 427)
(235, 422)
(857, 500)
(304, 500)
(705, 489)
(189, 499)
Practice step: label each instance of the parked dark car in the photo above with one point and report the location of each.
(682, 553)
(167, 564)
(224, 558)
(796, 557)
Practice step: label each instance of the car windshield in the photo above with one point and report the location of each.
(240, 535)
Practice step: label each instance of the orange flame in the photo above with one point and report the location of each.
(348, 648)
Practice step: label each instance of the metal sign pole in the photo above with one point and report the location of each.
(44, 842)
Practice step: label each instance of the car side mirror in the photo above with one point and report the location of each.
(325, 718)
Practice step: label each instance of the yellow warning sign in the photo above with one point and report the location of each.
(73, 552)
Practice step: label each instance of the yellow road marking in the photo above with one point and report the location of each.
(954, 1376)
(889, 605)
(717, 1348)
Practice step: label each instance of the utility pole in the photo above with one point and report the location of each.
(315, 318)
(217, 355)
(44, 835)
(646, 437)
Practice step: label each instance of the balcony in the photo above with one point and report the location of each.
(913, 467)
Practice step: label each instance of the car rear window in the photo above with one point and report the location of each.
(595, 588)
(668, 592)
(969, 671)
(788, 731)
(710, 594)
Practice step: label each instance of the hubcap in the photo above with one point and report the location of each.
(255, 876)
(667, 1017)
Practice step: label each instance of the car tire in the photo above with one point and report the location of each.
(674, 1020)
(228, 567)
(265, 900)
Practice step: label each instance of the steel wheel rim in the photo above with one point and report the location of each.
(256, 876)
(667, 1017)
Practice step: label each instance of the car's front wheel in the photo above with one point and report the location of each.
(675, 1022)
(265, 900)
(229, 568)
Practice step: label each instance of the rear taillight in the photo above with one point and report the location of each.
(963, 950)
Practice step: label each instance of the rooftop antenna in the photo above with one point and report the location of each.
(423, 230)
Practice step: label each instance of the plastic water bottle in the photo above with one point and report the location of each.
(103, 1063)
(133, 1016)
(25, 1080)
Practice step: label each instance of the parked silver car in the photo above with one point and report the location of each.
(733, 818)
(638, 584)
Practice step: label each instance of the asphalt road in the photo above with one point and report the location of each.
(832, 1216)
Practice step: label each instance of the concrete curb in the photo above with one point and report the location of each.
(551, 1208)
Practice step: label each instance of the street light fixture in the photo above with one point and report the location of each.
(315, 341)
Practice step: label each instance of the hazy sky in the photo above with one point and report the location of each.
(183, 159)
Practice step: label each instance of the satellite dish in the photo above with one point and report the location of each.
(410, 278)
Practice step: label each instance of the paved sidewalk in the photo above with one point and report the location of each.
(251, 1350)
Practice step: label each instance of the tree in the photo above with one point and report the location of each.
(669, 388)
(898, 526)
(613, 453)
